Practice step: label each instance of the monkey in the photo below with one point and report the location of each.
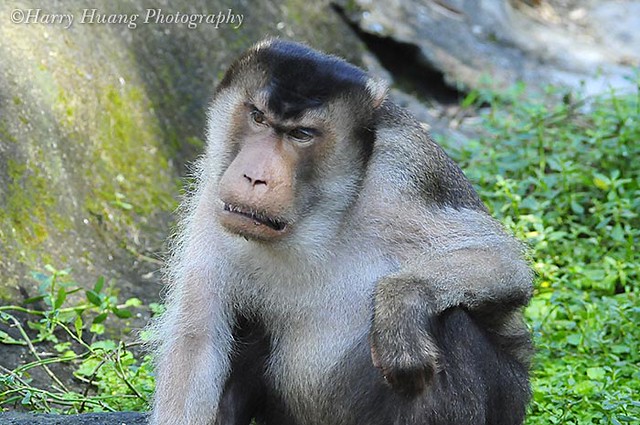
(334, 266)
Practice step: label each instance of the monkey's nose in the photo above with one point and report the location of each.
(255, 182)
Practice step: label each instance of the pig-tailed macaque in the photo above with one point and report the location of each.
(334, 266)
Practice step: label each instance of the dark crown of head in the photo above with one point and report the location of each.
(302, 78)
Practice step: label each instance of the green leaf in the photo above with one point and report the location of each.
(628, 419)
(574, 339)
(121, 313)
(618, 234)
(596, 373)
(107, 345)
(124, 205)
(620, 349)
(34, 299)
(601, 181)
(99, 284)
(97, 328)
(94, 298)
(584, 387)
(78, 325)
(577, 208)
(100, 318)
(470, 99)
(68, 355)
(62, 295)
(40, 277)
(62, 346)
(157, 308)
(146, 335)
(133, 302)
(44, 286)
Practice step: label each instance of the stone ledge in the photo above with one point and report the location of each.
(118, 418)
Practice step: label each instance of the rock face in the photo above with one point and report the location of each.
(570, 43)
(98, 119)
(88, 419)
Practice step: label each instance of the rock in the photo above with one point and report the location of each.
(127, 418)
(499, 42)
(616, 25)
(97, 121)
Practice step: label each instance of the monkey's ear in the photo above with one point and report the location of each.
(378, 89)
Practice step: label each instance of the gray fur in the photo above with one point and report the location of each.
(398, 240)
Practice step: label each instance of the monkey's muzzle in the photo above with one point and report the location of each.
(252, 223)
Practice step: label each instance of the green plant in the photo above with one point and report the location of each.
(562, 173)
(69, 321)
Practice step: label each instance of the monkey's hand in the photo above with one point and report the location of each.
(401, 343)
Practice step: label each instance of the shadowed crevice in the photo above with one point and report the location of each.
(404, 61)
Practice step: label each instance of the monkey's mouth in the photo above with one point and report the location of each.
(257, 217)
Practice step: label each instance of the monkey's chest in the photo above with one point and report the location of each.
(319, 360)
(319, 352)
(310, 369)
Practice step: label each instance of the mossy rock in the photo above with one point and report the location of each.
(97, 122)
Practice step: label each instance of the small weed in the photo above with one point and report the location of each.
(67, 329)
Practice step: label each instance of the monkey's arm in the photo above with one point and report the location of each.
(192, 357)
(490, 282)
(193, 338)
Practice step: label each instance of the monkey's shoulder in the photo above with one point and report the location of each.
(405, 152)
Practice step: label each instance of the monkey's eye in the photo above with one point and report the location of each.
(258, 116)
(302, 135)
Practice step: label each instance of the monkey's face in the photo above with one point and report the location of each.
(260, 188)
(297, 140)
